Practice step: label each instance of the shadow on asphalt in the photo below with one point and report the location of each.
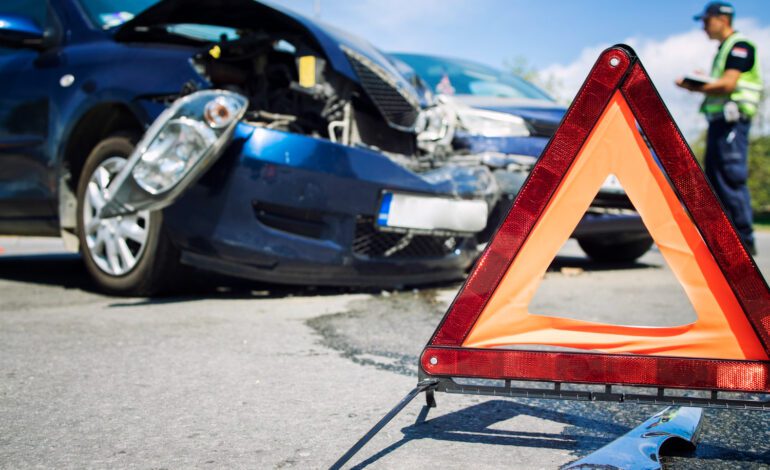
(61, 269)
(66, 270)
(587, 264)
(475, 424)
(585, 432)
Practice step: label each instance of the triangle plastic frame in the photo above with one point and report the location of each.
(444, 358)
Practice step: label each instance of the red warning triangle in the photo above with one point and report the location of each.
(488, 331)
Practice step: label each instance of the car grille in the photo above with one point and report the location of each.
(372, 243)
(396, 106)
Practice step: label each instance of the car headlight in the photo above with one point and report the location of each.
(491, 123)
(184, 138)
(180, 144)
(177, 148)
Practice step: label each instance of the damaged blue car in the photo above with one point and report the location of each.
(508, 121)
(229, 136)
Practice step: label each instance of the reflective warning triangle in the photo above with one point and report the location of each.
(617, 125)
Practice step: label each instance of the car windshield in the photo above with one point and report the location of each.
(107, 14)
(463, 77)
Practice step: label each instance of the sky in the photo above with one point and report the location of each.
(559, 38)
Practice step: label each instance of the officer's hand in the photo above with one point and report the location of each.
(681, 83)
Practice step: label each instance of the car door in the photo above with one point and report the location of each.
(27, 174)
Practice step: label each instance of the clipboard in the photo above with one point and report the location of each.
(697, 79)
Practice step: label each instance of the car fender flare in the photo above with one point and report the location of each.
(68, 145)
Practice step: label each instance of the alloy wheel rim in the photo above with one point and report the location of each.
(115, 244)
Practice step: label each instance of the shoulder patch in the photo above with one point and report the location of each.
(741, 52)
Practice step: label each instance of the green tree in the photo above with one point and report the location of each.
(521, 66)
(759, 170)
(759, 174)
(698, 147)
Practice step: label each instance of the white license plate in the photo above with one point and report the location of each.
(408, 211)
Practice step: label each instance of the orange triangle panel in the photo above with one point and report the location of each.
(488, 329)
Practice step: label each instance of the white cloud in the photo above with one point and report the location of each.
(665, 61)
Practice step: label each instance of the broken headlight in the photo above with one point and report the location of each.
(196, 124)
(179, 146)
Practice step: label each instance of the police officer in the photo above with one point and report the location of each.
(732, 98)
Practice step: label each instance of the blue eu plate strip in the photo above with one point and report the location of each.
(382, 217)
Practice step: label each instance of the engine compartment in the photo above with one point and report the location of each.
(290, 87)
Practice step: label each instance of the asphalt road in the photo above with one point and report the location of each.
(237, 375)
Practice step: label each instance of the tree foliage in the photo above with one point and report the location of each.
(523, 68)
(759, 169)
(759, 174)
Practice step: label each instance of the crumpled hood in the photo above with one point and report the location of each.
(246, 13)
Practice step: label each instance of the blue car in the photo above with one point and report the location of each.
(509, 121)
(229, 136)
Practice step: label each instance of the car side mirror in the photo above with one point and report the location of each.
(19, 31)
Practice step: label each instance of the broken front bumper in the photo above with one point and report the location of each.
(288, 208)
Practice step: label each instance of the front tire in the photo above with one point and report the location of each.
(126, 255)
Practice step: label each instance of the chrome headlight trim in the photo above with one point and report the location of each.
(181, 135)
(176, 149)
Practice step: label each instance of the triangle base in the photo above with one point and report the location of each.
(610, 393)
(590, 368)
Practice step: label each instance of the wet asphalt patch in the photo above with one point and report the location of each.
(386, 331)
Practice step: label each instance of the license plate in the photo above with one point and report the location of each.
(408, 211)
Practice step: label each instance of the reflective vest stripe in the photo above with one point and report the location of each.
(749, 86)
(748, 90)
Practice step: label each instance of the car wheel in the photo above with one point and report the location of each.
(615, 251)
(126, 255)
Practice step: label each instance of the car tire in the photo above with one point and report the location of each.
(615, 251)
(128, 255)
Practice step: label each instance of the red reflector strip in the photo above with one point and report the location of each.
(669, 372)
(533, 197)
(694, 191)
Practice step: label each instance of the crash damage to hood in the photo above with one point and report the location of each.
(348, 55)
(302, 77)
